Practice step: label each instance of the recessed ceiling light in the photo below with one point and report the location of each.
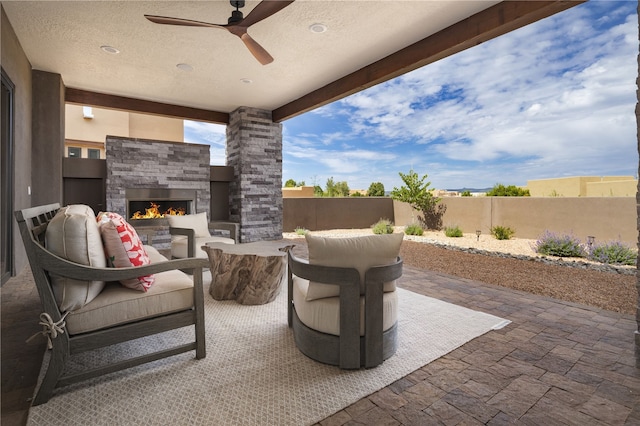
(246, 80)
(318, 28)
(184, 67)
(109, 49)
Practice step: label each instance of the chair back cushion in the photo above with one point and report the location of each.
(198, 222)
(360, 253)
(73, 235)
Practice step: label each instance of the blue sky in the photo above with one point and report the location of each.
(553, 99)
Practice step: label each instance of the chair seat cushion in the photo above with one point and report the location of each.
(324, 314)
(179, 245)
(172, 291)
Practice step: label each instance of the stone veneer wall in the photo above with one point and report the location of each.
(254, 149)
(143, 163)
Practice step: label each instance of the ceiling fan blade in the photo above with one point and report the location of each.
(182, 22)
(263, 10)
(256, 50)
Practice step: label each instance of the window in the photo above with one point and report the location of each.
(74, 152)
(94, 153)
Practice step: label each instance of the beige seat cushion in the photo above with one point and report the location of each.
(324, 314)
(73, 234)
(179, 245)
(171, 292)
(360, 253)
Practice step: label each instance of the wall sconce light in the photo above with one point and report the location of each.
(87, 112)
(478, 232)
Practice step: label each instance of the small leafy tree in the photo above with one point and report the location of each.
(336, 189)
(416, 192)
(376, 189)
(317, 191)
(292, 183)
(499, 190)
(466, 193)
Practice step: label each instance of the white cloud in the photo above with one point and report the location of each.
(212, 134)
(554, 98)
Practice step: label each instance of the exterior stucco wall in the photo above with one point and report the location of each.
(104, 122)
(18, 69)
(583, 186)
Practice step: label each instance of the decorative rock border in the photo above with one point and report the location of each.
(549, 260)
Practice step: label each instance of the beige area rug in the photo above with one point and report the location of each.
(253, 373)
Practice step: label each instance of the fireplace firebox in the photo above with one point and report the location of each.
(155, 203)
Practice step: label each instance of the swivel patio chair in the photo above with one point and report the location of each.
(342, 303)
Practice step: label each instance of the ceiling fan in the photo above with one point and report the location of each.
(237, 24)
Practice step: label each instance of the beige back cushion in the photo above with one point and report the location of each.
(360, 253)
(73, 235)
(198, 222)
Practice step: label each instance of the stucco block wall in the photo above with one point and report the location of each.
(608, 219)
(335, 213)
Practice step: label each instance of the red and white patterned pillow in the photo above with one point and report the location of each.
(124, 248)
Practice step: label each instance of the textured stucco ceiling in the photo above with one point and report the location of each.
(64, 37)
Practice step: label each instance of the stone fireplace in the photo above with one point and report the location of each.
(141, 171)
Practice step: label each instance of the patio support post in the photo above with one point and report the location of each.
(47, 145)
(254, 150)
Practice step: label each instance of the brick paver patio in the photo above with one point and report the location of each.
(556, 363)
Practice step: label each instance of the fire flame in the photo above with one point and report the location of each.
(154, 212)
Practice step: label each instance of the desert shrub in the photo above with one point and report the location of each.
(301, 231)
(413, 229)
(466, 193)
(499, 190)
(613, 253)
(502, 232)
(551, 244)
(383, 226)
(453, 231)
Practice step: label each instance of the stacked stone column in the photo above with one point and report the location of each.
(254, 150)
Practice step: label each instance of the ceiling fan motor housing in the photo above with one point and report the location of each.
(236, 16)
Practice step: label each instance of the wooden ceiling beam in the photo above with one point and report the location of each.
(483, 26)
(88, 98)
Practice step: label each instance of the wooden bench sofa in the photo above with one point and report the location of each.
(111, 313)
